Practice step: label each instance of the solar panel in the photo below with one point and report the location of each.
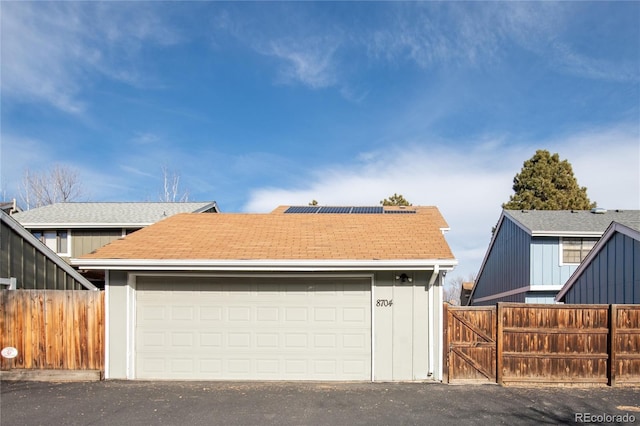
(399, 211)
(302, 209)
(368, 210)
(342, 210)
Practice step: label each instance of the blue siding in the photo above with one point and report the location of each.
(613, 275)
(515, 298)
(507, 265)
(540, 297)
(545, 262)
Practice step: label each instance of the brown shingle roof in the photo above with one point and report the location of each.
(275, 236)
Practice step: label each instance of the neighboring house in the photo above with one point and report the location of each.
(27, 264)
(465, 293)
(74, 229)
(302, 293)
(533, 253)
(611, 271)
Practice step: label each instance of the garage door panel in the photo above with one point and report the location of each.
(355, 315)
(149, 340)
(210, 367)
(268, 313)
(267, 341)
(328, 314)
(259, 329)
(296, 314)
(210, 313)
(181, 313)
(153, 366)
(152, 313)
(211, 340)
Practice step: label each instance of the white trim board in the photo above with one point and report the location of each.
(535, 288)
(263, 265)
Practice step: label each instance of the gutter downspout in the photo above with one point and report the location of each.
(432, 328)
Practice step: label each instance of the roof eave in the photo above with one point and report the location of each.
(209, 206)
(264, 265)
(84, 225)
(574, 234)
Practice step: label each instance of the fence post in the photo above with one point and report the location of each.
(499, 333)
(613, 326)
(445, 340)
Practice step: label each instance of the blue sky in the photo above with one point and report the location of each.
(256, 105)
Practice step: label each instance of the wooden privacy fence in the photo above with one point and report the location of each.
(515, 343)
(53, 329)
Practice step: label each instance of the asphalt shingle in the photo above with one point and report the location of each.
(568, 221)
(287, 237)
(132, 213)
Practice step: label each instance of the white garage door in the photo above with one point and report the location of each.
(253, 328)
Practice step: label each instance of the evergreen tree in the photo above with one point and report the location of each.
(546, 183)
(395, 200)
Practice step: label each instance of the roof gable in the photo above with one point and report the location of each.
(630, 229)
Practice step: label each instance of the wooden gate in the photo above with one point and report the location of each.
(471, 337)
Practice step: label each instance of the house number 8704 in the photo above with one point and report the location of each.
(384, 303)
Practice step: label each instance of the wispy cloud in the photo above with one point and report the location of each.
(428, 35)
(543, 29)
(51, 51)
(454, 35)
(569, 61)
(136, 171)
(304, 50)
(310, 62)
(145, 138)
(57, 49)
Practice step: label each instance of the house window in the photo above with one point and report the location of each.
(57, 241)
(61, 242)
(39, 235)
(574, 250)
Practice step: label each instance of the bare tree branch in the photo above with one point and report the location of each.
(171, 187)
(60, 184)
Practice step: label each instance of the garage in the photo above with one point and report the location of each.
(301, 293)
(235, 328)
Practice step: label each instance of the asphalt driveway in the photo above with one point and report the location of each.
(265, 403)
